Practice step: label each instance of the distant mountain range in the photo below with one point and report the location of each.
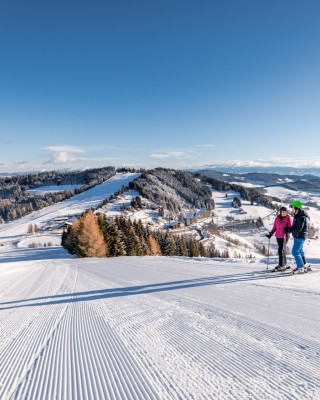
(242, 169)
(290, 181)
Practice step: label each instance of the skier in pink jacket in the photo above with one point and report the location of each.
(282, 220)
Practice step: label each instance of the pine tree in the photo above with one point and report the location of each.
(115, 241)
(70, 237)
(104, 225)
(142, 246)
(169, 248)
(212, 252)
(202, 250)
(193, 248)
(131, 241)
(181, 246)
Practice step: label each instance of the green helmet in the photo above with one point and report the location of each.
(296, 204)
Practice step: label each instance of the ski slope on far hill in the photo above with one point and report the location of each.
(76, 205)
(157, 328)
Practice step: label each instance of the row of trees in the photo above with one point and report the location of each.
(16, 201)
(89, 236)
(10, 184)
(17, 206)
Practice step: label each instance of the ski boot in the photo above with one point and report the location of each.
(307, 268)
(279, 268)
(298, 271)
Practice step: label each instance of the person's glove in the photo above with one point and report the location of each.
(269, 235)
(286, 230)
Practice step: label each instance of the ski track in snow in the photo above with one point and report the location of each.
(151, 327)
(123, 329)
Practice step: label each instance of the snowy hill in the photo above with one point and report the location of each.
(68, 208)
(154, 327)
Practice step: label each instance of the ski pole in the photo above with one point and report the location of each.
(268, 254)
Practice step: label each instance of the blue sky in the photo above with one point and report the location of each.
(146, 83)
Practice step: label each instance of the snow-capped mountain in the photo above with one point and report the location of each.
(247, 167)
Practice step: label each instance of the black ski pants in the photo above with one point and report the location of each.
(282, 251)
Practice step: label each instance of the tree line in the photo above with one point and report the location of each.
(16, 201)
(91, 236)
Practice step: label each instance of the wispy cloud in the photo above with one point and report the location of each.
(159, 155)
(100, 158)
(62, 157)
(175, 154)
(205, 145)
(22, 163)
(102, 147)
(272, 162)
(64, 154)
(66, 148)
(20, 166)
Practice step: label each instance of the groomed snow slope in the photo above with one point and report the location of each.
(156, 328)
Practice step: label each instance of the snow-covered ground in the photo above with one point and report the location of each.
(152, 327)
(157, 328)
(121, 206)
(281, 192)
(224, 209)
(288, 195)
(40, 241)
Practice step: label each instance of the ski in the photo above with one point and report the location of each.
(286, 272)
(284, 269)
(303, 271)
(273, 271)
(277, 271)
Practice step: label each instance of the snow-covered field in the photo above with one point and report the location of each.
(157, 328)
(223, 208)
(151, 327)
(288, 195)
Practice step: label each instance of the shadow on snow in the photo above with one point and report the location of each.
(34, 254)
(135, 290)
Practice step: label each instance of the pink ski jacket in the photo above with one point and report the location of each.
(279, 224)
